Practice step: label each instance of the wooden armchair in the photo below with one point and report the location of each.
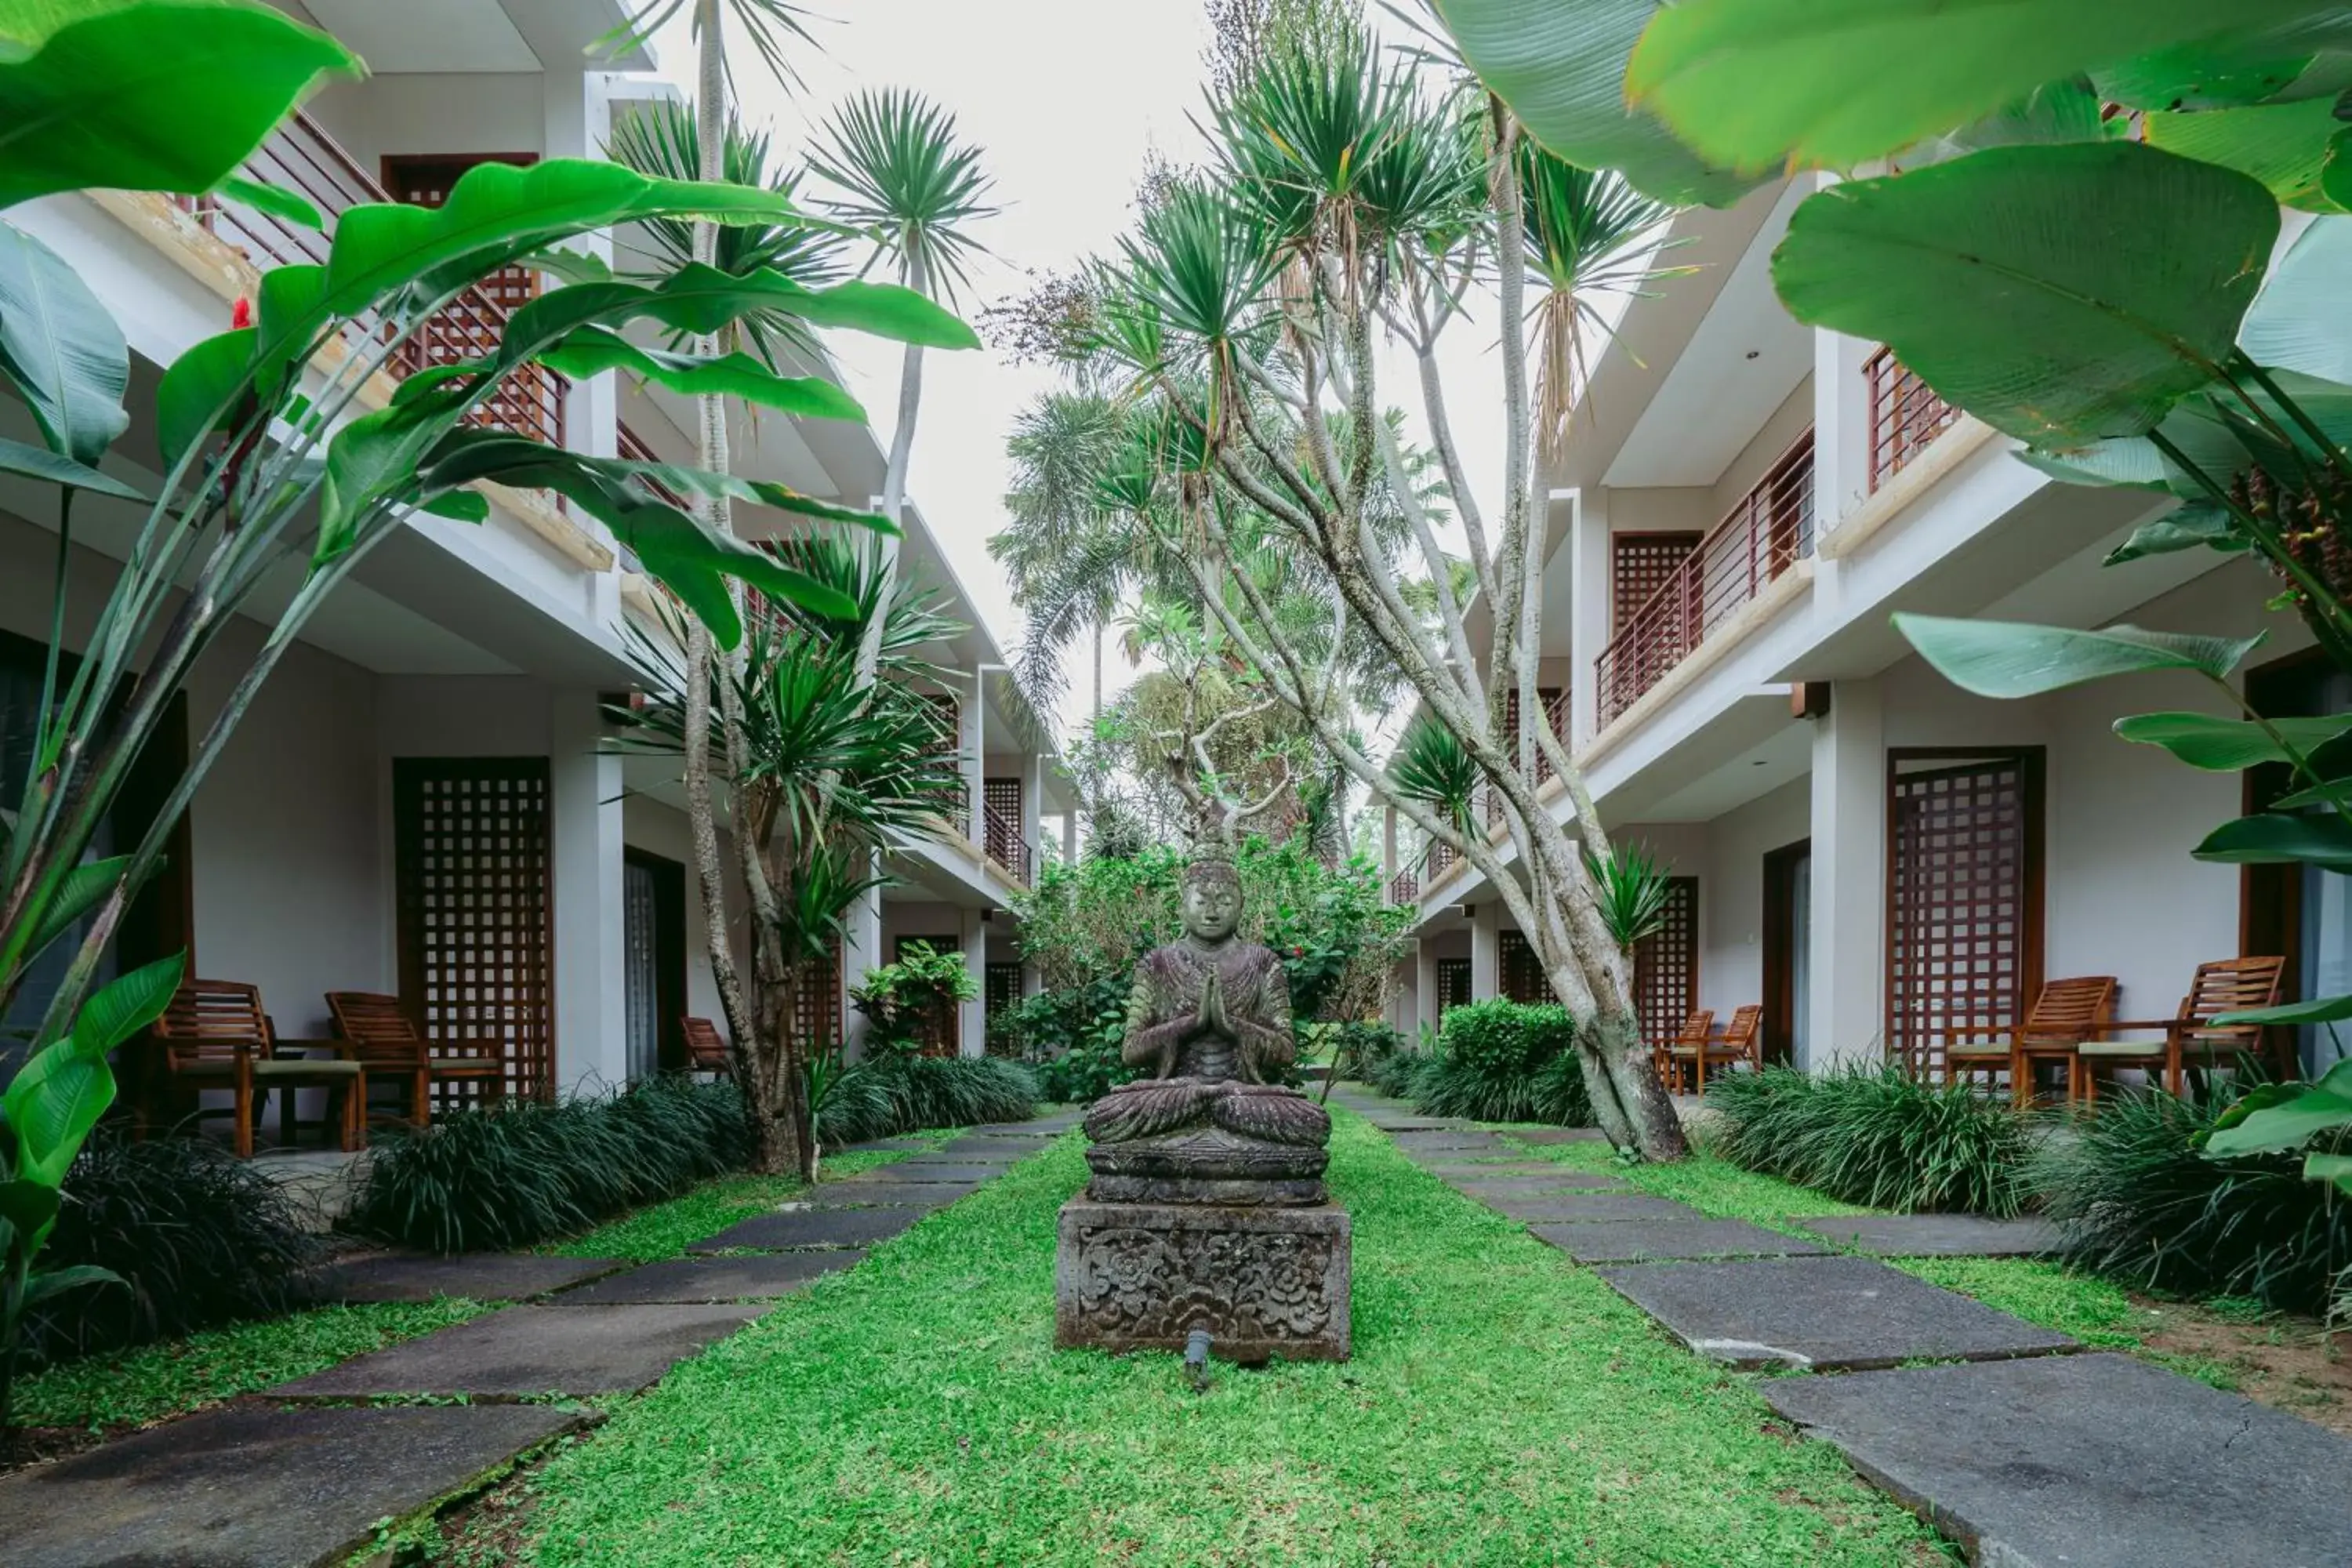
(386, 1038)
(1673, 1056)
(2065, 1014)
(1741, 1040)
(705, 1049)
(214, 1036)
(2228, 985)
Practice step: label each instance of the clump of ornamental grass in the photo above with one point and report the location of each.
(1877, 1137)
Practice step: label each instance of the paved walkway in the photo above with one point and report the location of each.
(302, 1475)
(2027, 1454)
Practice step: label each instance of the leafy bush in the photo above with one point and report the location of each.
(1875, 1136)
(884, 1095)
(198, 1237)
(1070, 1038)
(901, 1001)
(2136, 1198)
(1500, 1061)
(518, 1174)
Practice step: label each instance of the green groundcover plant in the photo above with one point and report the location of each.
(1876, 1136)
(1500, 1061)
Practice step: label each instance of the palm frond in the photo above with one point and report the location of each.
(901, 173)
(1434, 769)
(772, 25)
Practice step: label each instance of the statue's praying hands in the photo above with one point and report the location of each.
(1209, 1019)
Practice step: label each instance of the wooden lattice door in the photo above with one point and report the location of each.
(1964, 895)
(476, 910)
(1520, 971)
(1003, 828)
(1666, 965)
(1639, 565)
(1453, 985)
(1003, 990)
(816, 1005)
(941, 1031)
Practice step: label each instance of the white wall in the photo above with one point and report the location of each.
(1772, 438)
(1731, 893)
(426, 113)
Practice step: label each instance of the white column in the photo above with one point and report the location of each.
(1033, 811)
(1388, 846)
(972, 739)
(1424, 984)
(1588, 625)
(973, 1026)
(1847, 939)
(861, 950)
(1486, 951)
(584, 798)
(1070, 836)
(1841, 455)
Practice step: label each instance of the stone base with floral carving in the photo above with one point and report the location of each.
(1264, 1281)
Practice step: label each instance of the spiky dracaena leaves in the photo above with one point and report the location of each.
(902, 173)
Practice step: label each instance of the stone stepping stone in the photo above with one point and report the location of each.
(2090, 1461)
(1492, 1170)
(1560, 1135)
(1633, 1241)
(260, 1487)
(908, 1192)
(992, 1148)
(1938, 1234)
(1510, 1188)
(757, 1276)
(1449, 1140)
(872, 1145)
(1602, 1208)
(926, 1171)
(479, 1276)
(1850, 1314)
(1053, 1129)
(526, 1351)
(797, 1227)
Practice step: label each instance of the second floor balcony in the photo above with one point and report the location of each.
(1766, 534)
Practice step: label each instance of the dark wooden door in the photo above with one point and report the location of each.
(1519, 970)
(1963, 895)
(654, 952)
(473, 845)
(1453, 985)
(1788, 947)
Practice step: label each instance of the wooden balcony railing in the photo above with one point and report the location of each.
(300, 157)
(1404, 887)
(1003, 844)
(1437, 861)
(1906, 415)
(1767, 533)
(632, 446)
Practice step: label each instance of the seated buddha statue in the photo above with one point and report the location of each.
(1208, 1023)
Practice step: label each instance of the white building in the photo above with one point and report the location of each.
(444, 709)
(1861, 848)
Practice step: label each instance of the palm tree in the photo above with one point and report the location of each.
(1066, 563)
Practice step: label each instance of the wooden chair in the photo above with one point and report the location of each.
(2228, 985)
(1674, 1055)
(387, 1040)
(1741, 1040)
(2065, 1014)
(214, 1036)
(705, 1049)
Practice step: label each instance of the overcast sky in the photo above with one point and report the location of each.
(1067, 99)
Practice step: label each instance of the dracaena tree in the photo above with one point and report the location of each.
(1349, 204)
(282, 456)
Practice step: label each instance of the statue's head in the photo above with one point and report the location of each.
(1212, 897)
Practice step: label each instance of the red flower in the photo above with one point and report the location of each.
(241, 314)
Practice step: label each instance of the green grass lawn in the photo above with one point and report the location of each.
(664, 1229)
(1502, 1407)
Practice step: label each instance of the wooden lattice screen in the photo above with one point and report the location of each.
(1519, 971)
(1453, 985)
(816, 1007)
(942, 1031)
(1001, 986)
(472, 847)
(1665, 964)
(1639, 565)
(1963, 932)
(1003, 829)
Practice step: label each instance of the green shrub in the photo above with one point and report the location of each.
(885, 1095)
(1500, 1061)
(1070, 1038)
(2136, 1198)
(198, 1237)
(518, 1174)
(1871, 1135)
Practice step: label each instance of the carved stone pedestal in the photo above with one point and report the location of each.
(1264, 1281)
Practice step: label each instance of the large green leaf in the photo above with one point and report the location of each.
(127, 1004)
(2059, 293)
(52, 1104)
(2325, 1167)
(498, 212)
(1561, 66)
(201, 392)
(60, 348)
(2228, 745)
(2283, 146)
(153, 97)
(2301, 57)
(2298, 322)
(2278, 838)
(1755, 84)
(2202, 525)
(373, 460)
(2010, 658)
(2279, 1116)
(2128, 460)
(55, 469)
(698, 299)
(2326, 1010)
(52, 1282)
(593, 350)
